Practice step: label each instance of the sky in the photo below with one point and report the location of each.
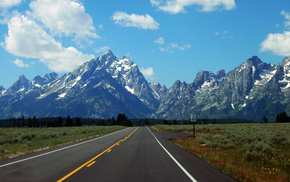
(169, 40)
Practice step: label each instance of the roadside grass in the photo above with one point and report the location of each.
(18, 141)
(248, 152)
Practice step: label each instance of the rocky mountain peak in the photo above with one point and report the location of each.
(2, 89)
(220, 74)
(286, 62)
(255, 60)
(202, 77)
(108, 58)
(22, 84)
(39, 81)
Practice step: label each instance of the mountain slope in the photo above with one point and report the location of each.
(252, 90)
(106, 86)
(88, 91)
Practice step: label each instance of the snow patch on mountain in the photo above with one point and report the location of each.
(130, 89)
(61, 96)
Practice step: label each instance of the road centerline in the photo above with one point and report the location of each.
(57, 150)
(92, 161)
(178, 164)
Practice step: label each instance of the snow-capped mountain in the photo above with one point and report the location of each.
(39, 81)
(100, 88)
(129, 76)
(106, 86)
(252, 90)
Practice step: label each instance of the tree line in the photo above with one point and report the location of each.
(282, 118)
(122, 120)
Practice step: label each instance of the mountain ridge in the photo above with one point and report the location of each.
(106, 86)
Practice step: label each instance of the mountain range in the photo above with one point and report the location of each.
(106, 86)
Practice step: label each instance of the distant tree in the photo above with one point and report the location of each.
(174, 122)
(164, 121)
(214, 121)
(282, 117)
(68, 121)
(14, 124)
(59, 121)
(121, 117)
(34, 121)
(146, 121)
(78, 122)
(265, 119)
(113, 121)
(183, 121)
(29, 122)
(123, 120)
(22, 121)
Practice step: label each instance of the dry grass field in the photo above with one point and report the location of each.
(18, 141)
(248, 152)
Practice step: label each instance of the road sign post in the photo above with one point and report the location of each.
(193, 120)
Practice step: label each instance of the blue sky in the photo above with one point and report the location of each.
(169, 40)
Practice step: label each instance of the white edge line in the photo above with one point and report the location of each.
(179, 165)
(8, 164)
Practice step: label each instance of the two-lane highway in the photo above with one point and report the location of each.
(132, 154)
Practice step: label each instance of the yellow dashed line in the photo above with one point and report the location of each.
(91, 162)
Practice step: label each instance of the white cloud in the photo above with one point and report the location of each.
(185, 46)
(148, 73)
(9, 3)
(177, 6)
(102, 49)
(28, 39)
(20, 63)
(277, 44)
(224, 34)
(173, 46)
(287, 17)
(65, 17)
(101, 27)
(160, 41)
(133, 20)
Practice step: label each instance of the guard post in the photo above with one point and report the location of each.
(193, 120)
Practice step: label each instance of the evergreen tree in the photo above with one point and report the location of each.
(113, 122)
(123, 120)
(68, 121)
(282, 117)
(29, 122)
(34, 121)
(14, 124)
(59, 121)
(22, 121)
(174, 122)
(146, 121)
(265, 119)
(78, 122)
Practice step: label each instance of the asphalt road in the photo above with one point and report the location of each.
(132, 154)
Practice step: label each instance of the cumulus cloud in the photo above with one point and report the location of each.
(27, 39)
(65, 17)
(277, 44)
(160, 41)
(134, 20)
(177, 6)
(9, 3)
(148, 73)
(19, 63)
